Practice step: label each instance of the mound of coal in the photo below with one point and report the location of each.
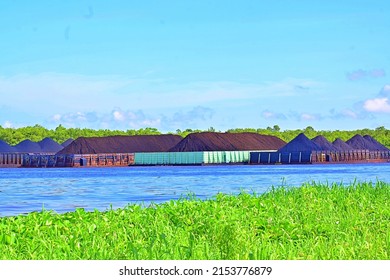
(6, 148)
(323, 143)
(122, 144)
(48, 145)
(300, 144)
(359, 143)
(341, 146)
(28, 146)
(375, 143)
(67, 142)
(217, 141)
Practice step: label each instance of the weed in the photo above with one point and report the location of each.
(314, 221)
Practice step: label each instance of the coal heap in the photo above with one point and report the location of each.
(67, 142)
(340, 145)
(48, 145)
(378, 146)
(5, 148)
(323, 143)
(218, 141)
(122, 144)
(358, 142)
(300, 144)
(28, 146)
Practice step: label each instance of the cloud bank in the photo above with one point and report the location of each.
(128, 119)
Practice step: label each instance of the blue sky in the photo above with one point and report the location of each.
(195, 64)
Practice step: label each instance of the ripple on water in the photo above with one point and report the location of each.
(64, 189)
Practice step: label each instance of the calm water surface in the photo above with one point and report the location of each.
(64, 189)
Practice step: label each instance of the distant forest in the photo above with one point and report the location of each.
(60, 134)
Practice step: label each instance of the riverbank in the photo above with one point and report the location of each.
(314, 221)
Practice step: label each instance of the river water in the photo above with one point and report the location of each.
(65, 189)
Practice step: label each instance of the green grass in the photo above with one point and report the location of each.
(314, 221)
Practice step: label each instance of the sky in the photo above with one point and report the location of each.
(195, 64)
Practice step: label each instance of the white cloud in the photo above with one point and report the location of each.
(308, 117)
(305, 117)
(7, 124)
(57, 117)
(345, 114)
(272, 115)
(118, 116)
(155, 123)
(349, 113)
(133, 119)
(268, 115)
(127, 119)
(380, 104)
(377, 105)
(76, 119)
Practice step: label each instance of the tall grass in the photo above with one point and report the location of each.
(314, 221)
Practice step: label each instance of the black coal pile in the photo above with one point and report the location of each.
(375, 144)
(28, 146)
(341, 146)
(122, 144)
(358, 142)
(323, 143)
(67, 142)
(6, 148)
(300, 144)
(217, 141)
(48, 145)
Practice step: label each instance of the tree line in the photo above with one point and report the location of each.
(381, 134)
(60, 134)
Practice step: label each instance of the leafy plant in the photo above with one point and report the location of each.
(313, 221)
